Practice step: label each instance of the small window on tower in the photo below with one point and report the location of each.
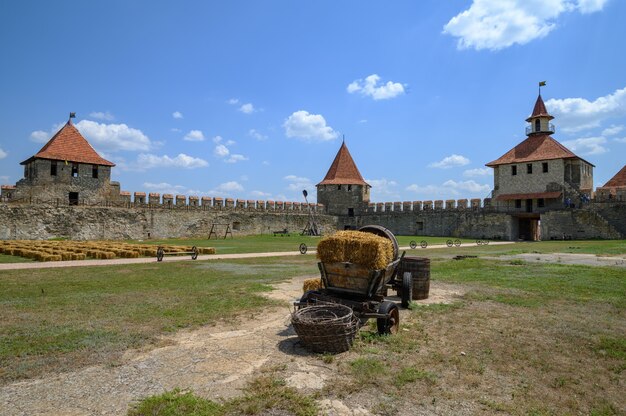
(53, 168)
(75, 170)
(350, 212)
(529, 168)
(537, 125)
(339, 187)
(514, 170)
(349, 187)
(541, 203)
(544, 166)
(518, 203)
(94, 171)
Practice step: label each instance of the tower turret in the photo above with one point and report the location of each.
(540, 119)
(343, 191)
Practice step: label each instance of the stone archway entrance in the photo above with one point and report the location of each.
(528, 227)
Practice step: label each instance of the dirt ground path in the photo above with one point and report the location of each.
(213, 361)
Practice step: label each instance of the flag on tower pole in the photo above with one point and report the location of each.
(542, 83)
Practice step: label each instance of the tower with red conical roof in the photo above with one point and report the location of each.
(67, 169)
(343, 191)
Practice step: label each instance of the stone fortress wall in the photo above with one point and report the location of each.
(142, 216)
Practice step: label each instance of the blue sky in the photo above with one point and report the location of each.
(251, 99)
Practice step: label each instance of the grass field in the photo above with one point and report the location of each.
(524, 338)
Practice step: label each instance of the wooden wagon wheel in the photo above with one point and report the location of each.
(303, 248)
(449, 243)
(424, 244)
(457, 242)
(391, 322)
(194, 253)
(407, 289)
(160, 254)
(413, 244)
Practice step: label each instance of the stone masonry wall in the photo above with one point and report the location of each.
(40, 184)
(19, 221)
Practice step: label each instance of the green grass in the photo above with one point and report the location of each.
(176, 403)
(54, 319)
(536, 283)
(265, 394)
(4, 258)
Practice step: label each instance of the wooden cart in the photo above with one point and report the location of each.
(363, 289)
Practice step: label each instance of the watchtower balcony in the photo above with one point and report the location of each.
(531, 129)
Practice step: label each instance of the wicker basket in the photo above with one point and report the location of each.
(326, 328)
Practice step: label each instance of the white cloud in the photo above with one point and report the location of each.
(256, 135)
(247, 108)
(3, 154)
(620, 140)
(177, 114)
(234, 158)
(450, 189)
(233, 101)
(478, 172)
(165, 188)
(450, 162)
(265, 163)
(576, 114)
(298, 183)
(230, 187)
(148, 161)
(612, 131)
(99, 115)
(217, 139)
(590, 6)
(40, 136)
(194, 136)
(383, 189)
(587, 146)
(301, 124)
(113, 137)
(469, 186)
(362, 121)
(370, 87)
(261, 194)
(498, 24)
(221, 151)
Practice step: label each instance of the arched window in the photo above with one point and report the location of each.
(537, 125)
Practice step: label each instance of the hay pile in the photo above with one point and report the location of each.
(367, 249)
(312, 284)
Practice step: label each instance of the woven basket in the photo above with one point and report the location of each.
(326, 328)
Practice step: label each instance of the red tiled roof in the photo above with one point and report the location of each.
(535, 147)
(69, 145)
(618, 180)
(539, 110)
(536, 195)
(343, 170)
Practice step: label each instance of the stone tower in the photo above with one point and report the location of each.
(67, 170)
(343, 191)
(539, 173)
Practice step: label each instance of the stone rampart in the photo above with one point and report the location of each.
(22, 221)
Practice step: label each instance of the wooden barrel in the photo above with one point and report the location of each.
(419, 267)
(381, 231)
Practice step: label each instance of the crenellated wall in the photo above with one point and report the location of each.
(35, 222)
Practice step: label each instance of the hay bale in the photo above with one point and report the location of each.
(206, 250)
(366, 249)
(311, 284)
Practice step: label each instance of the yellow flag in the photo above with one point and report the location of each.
(542, 83)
